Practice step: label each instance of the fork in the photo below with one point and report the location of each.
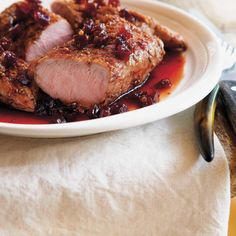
(205, 110)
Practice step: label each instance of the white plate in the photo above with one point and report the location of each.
(202, 71)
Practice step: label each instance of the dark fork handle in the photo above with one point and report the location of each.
(204, 124)
(205, 116)
(228, 92)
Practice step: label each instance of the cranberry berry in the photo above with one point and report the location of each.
(122, 50)
(9, 59)
(5, 43)
(100, 35)
(81, 40)
(94, 112)
(125, 14)
(125, 34)
(164, 83)
(88, 26)
(41, 18)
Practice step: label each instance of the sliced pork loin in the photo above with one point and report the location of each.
(98, 67)
(56, 34)
(32, 29)
(75, 14)
(17, 89)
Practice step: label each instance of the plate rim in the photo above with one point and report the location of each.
(148, 115)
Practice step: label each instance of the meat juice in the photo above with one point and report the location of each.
(171, 69)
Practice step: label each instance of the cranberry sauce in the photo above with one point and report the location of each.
(162, 81)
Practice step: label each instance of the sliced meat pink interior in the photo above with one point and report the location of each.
(73, 81)
(54, 35)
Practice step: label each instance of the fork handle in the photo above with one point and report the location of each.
(204, 124)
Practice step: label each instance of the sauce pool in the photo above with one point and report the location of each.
(171, 69)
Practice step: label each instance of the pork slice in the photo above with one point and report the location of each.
(17, 89)
(93, 75)
(74, 13)
(56, 34)
(33, 35)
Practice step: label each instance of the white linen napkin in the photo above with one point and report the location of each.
(144, 181)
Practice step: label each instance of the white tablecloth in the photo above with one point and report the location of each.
(145, 181)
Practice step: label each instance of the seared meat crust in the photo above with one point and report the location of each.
(74, 13)
(171, 39)
(17, 89)
(146, 52)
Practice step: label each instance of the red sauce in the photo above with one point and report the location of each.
(171, 68)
